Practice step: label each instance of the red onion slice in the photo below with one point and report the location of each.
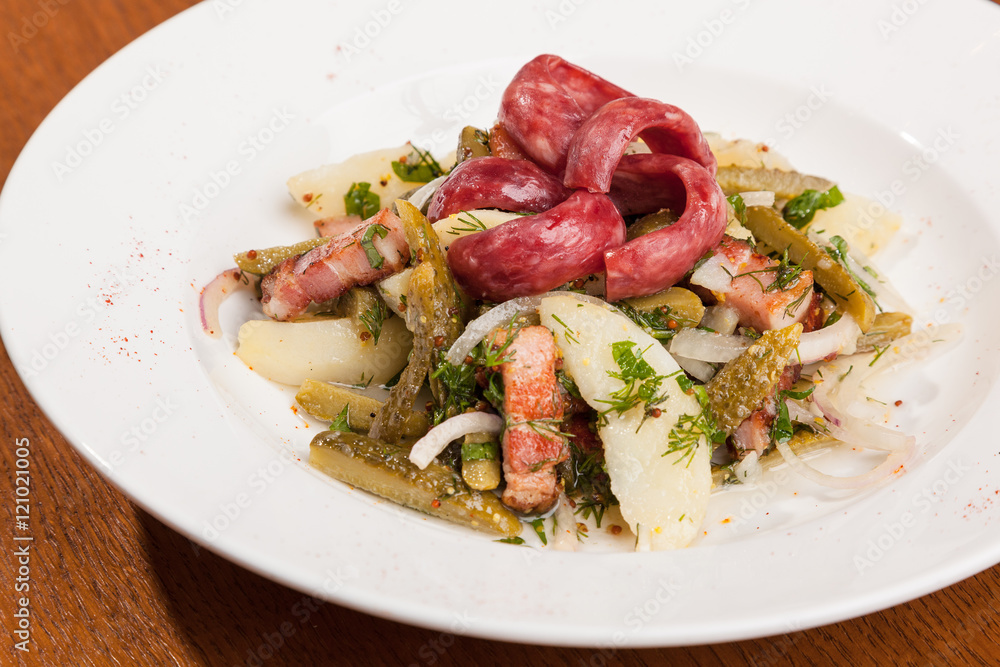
(212, 296)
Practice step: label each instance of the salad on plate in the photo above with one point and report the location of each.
(593, 311)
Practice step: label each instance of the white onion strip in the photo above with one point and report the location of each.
(564, 534)
(212, 296)
(715, 274)
(423, 194)
(758, 198)
(892, 463)
(500, 316)
(840, 338)
(707, 345)
(432, 444)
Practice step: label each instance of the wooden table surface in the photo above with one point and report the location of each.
(112, 585)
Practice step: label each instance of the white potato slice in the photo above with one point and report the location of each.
(322, 190)
(745, 153)
(448, 229)
(323, 349)
(865, 224)
(663, 500)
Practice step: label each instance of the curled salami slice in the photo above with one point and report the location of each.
(546, 102)
(537, 253)
(600, 143)
(494, 182)
(657, 260)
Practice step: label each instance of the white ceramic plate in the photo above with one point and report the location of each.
(173, 155)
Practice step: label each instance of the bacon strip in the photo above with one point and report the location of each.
(754, 432)
(655, 261)
(330, 270)
(600, 142)
(760, 307)
(494, 182)
(546, 102)
(536, 253)
(532, 443)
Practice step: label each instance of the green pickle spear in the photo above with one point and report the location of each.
(743, 383)
(385, 470)
(774, 234)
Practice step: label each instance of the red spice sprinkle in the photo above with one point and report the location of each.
(671, 324)
(898, 403)
(469, 359)
(438, 341)
(251, 254)
(435, 503)
(307, 197)
(615, 529)
(365, 336)
(655, 413)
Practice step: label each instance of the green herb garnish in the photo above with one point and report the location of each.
(687, 433)
(800, 211)
(539, 526)
(374, 317)
(340, 423)
(360, 200)
(739, 206)
(375, 258)
(642, 384)
(419, 167)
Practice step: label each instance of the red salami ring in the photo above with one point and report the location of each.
(600, 143)
(657, 260)
(494, 182)
(536, 253)
(545, 103)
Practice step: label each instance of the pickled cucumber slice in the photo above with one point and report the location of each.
(386, 471)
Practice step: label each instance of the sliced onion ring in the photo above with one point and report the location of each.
(212, 296)
(893, 462)
(707, 345)
(432, 444)
(500, 315)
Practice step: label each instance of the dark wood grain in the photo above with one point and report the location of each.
(111, 585)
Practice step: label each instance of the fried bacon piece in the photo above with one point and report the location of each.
(532, 442)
